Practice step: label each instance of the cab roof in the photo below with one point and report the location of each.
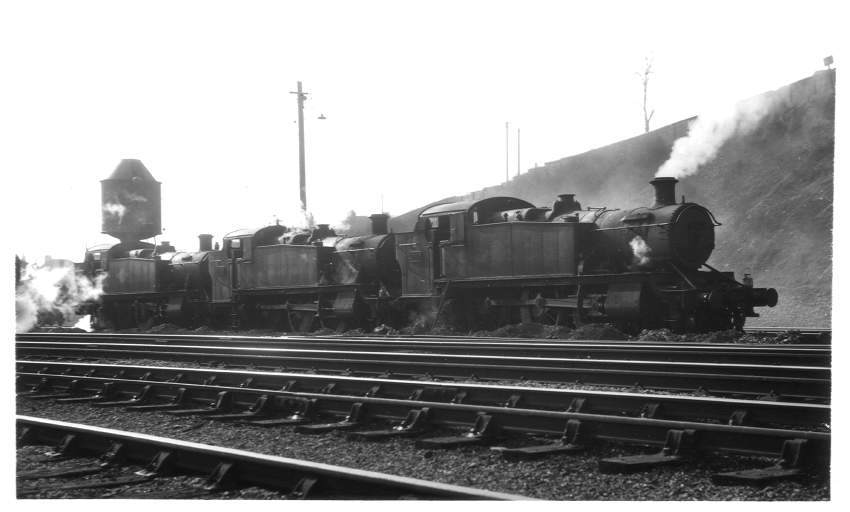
(498, 203)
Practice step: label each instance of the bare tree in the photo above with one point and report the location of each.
(644, 76)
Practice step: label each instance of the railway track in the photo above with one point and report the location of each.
(786, 382)
(760, 400)
(812, 355)
(679, 427)
(223, 468)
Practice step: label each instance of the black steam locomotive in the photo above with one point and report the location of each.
(474, 265)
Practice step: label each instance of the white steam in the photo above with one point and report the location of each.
(50, 294)
(295, 218)
(641, 251)
(135, 198)
(708, 132)
(84, 323)
(115, 209)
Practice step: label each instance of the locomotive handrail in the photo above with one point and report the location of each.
(658, 224)
(713, 218)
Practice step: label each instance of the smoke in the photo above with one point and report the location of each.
(708, 132)
(295, 218)
(641, 251)
(115, 209)
(50, 293)
(135, 198)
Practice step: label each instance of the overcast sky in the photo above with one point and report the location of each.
(416, 97)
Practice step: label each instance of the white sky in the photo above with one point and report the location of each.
(416, 97)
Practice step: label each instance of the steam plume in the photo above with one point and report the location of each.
(115, 209)
(641, 251)
(708, 132)
(50, 294)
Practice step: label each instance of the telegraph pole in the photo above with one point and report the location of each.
(301, 160)
(507, 151)
(517, 151)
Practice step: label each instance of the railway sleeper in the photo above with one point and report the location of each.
(297, 410)
(797, 460)
(44, 386)
(575, 439)
(262, 407)
(99, 484)
(484, 430)
(679, 447)
(222, 404)
(142, 397)
(180, 399)
(107, 391)
(417, 422)
(355, 418)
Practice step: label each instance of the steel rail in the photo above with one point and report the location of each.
(249, 468)
(798, 382)
(752, 412)
(711, 437)
(229, 352)
(810, 355)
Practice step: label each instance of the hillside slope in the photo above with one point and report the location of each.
(772, 188)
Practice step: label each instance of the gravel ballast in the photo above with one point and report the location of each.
(561, 477)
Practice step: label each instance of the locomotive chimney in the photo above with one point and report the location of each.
(379, 223)
(205, 242)
(665, 191)
(565, 203)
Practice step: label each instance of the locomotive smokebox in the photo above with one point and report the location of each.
(379, 223)
(131, 203)
(205, 242)
(665, 191)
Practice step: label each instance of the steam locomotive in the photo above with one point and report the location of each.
(472, 265)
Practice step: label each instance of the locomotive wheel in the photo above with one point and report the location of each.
(578, 315)
(301, 321)
(545, 315)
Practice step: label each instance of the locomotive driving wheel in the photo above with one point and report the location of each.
(579, 317)
(300, 321)
(543, 314)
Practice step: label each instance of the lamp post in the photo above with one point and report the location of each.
(301, 157)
